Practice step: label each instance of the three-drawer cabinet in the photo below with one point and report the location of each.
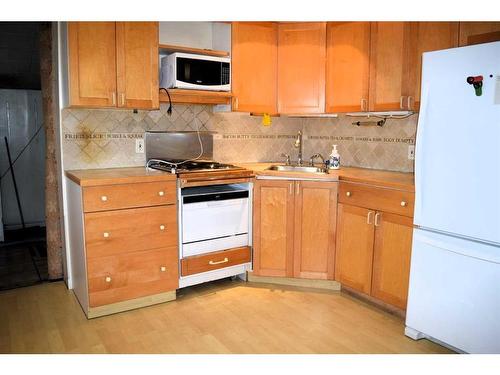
(123, 241)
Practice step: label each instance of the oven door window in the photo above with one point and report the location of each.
(202, 72)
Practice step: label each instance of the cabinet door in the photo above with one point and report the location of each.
(391, 258)
(273, 228)
(426, 37)
(92, 64)
(478, 32)
(254, 59)
(301, 67)
(137, 64)
(354, 252)
(315, 221)
(389, 66)
(347, 66)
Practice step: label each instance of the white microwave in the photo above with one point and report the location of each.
(197, 72)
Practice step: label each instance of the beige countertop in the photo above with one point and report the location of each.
(97, 177)
(396, 180)
(111, 176)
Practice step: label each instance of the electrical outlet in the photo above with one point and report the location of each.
(139, 146)
(411, 152)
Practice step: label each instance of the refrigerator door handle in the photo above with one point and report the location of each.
(418, 154)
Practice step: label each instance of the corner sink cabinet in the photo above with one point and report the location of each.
(294, 228)
(364, 242)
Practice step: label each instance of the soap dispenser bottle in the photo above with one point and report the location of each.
(334, 160)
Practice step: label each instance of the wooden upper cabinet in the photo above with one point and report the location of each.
(113, 64)
(254, 63)
(137, 64)
(354, 250)
(273, 223)
(92, 64)
(389, 66)
(301, 67)
(391, 258)
(315, 224)
(478, 32)
(426, 37)
(347, 66)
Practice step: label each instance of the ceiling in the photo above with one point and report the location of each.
(19, 55)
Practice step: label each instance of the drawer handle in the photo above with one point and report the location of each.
(161, 193)
(163, 268)
(108, 279)
(104, 198)
(348, 193)
(106, 234)
(403, 204)
(162, 227)
(219, 262)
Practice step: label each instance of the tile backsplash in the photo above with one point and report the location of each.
(105, 138)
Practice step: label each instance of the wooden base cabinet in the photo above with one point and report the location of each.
(355, 247)
(373, 245)
(294, 228)
(124, 244)
(391, 259)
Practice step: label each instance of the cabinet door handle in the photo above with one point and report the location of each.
(410, 99)
(236, 103)
(363, 105)
(105, 234)
(368, 217)
(163, 268)
(113, 98)
(104, 198)
(377, 216)
(161, 193)
(348, 193)
(403, 204)
(298, 188)
(401, 99)
(162, 227)
(107, 279)
(219, 262)
(122, 97)
(290, 188)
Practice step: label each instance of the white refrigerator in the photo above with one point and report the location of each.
(454, 292)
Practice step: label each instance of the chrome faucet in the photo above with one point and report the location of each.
(298, 144)
(315, 156)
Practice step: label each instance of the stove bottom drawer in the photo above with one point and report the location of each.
(216, 260)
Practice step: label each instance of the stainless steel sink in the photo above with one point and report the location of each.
(297, 168)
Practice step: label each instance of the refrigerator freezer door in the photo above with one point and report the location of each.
(454, 294)
(457, 165)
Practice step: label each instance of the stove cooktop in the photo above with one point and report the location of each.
(189, 166)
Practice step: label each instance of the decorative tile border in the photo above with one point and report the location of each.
(79, 136)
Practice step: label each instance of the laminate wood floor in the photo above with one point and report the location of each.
(222, 317)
